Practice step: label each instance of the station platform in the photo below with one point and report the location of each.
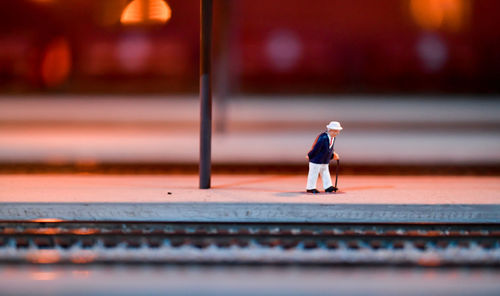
(259, 131)
(249, 198)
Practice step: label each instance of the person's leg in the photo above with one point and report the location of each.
(325, 176)
(312, 177)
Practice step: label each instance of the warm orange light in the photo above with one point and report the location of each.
(429, 261)
(83, 257)
(47, 220)
(45, 231)
(84, 231)
(56, 62)
(9, 231)
(44, 257)
(440, 14)
(140, 12)
(44, 275)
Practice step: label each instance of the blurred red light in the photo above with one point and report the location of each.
(56, 63)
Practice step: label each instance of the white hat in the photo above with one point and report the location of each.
(334, 125)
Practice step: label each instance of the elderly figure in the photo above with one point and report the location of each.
(319, 157)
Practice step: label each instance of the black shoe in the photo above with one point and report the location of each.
(331, 189)
(312, 191)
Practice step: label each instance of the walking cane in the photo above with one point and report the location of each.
(336, 175)
(336, 169)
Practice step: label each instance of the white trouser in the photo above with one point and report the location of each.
(312, 177)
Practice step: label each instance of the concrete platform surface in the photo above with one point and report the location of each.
(249, 198)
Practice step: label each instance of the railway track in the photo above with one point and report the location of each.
(250, 243)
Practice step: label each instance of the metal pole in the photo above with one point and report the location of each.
(205, 93)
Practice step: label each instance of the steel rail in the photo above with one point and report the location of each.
(256, 243)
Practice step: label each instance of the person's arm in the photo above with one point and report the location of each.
(334, 155)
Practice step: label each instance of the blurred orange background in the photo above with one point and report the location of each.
(261, 46)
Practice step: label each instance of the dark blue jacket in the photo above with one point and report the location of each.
(321, 153)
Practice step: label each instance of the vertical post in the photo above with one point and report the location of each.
(205, 93)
